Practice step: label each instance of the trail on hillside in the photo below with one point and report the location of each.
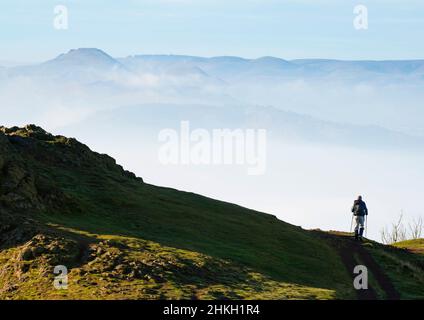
(349, 250)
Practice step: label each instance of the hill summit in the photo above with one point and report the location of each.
(85, 56)
(23, 150)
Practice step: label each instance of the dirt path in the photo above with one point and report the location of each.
(348, 249)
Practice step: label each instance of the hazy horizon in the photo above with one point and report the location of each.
(26, 62)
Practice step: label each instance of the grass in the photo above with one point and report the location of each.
(416, 245)
(405, 270)
(167, 273)
(220, 230)
(99, 198)
(131, 240)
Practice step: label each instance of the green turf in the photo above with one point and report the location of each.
(405, 269)
(186, 245)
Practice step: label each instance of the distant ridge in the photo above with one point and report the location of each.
(85, 56)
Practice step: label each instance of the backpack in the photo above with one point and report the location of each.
(359, 208)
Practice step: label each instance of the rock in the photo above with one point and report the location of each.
(37, 251)
(10, 288)
(123, 269)
(25, 267)
(26, 255)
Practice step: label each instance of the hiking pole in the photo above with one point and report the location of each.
(351, 224)
(366, 225)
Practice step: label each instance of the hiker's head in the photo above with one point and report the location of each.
(359, 198)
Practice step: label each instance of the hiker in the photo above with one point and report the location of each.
(359, 210)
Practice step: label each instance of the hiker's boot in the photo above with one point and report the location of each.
(356, 235)
(361, 233)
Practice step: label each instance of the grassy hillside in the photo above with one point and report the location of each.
(121, 238)
(416, 245)
(404, 264)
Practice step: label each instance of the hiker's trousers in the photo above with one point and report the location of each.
(360, 221)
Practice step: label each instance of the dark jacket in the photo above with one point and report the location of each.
(359, 208)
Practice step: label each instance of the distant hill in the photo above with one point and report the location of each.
(236, 68)
(282, 126)
(380, 93)
(228, 69)
(120, 238)
(86, 65)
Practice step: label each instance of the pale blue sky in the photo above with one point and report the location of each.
(250, 28)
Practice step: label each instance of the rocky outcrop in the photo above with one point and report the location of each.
(59, 150)
(20, 151)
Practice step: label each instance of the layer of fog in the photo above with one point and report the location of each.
(308, 182)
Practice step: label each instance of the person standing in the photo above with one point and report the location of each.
(359, 210)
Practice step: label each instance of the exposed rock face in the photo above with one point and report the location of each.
(21, 148)
(25, 190)
(17, 184)
(17, 187)
(52, 249)
(57, 150)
